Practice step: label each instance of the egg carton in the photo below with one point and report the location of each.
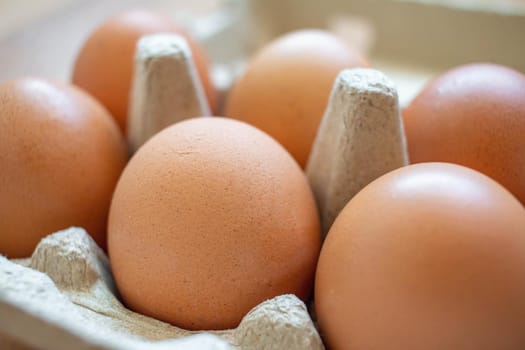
(64, 296)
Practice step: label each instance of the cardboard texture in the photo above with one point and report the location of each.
(165, 89)
(360, 138)
(65, 298)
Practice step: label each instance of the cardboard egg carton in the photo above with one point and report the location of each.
(64, 296)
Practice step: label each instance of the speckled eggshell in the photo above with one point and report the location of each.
(210, 218)
(61, 154)
(473, 115)
(429, 256)
(285, 87)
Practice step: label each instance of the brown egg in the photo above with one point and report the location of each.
(61, 154)
(429, 256)
(473, 115)
(210, 218)
(285, 88)
(104, 65)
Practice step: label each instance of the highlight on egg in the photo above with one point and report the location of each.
(285, 88)
(473, 115)
(210, 218)
(429, 256)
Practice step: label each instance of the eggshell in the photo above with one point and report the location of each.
(61, 154)
(473, 115)
(429, 256)
(210, 218)
(285, 88)
(104, 65)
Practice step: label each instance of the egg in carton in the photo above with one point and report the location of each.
(65, 297)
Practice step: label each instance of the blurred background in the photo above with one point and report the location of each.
(410, 40)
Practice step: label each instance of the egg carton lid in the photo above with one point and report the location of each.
(410, 40)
